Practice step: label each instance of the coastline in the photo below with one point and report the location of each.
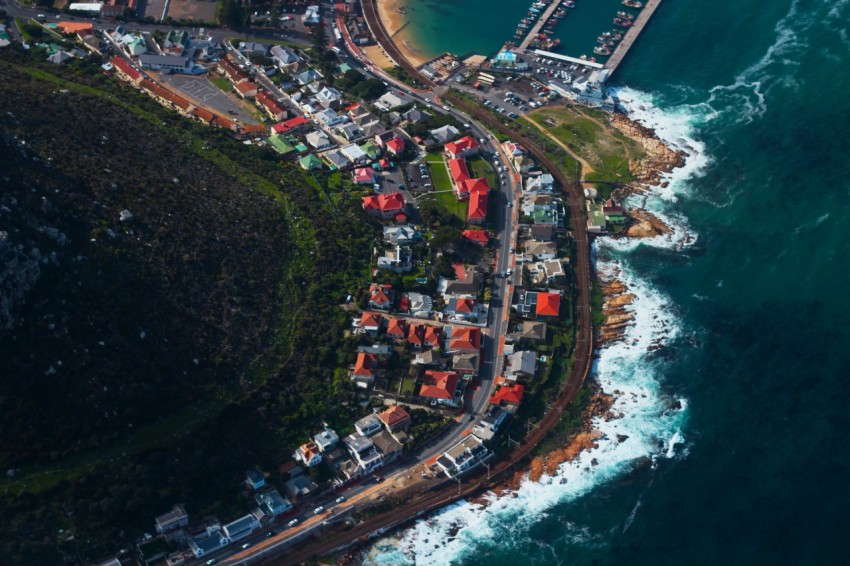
(395, 22)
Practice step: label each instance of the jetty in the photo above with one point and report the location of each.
(541, 21)
(631, 35)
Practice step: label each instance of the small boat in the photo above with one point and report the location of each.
(633, 4)
(568, 4)
(616, 35)
(625, 16)
(622, 23)
(602, 50)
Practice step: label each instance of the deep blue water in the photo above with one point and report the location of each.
(753, 469)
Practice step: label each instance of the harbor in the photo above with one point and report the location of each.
(631, 35)
(534, 32)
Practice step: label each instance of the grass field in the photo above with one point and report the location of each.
(480, 167)
(589, 134)
(443, 188)
(220, 82)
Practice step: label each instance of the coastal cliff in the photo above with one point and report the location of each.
(659, 158)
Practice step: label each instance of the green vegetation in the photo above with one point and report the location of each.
(354, 83)
(220, 82)
(589, 134)
(155, 359)
(480, 167)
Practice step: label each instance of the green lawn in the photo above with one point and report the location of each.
(480, 167)
(444, 193)
(220, 82)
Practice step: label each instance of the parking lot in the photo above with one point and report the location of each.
(201, 89)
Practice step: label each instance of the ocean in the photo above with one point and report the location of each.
(737, 426)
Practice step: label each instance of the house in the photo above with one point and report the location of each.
(543, 232)
(246, 89)
(310, 163)
(463, 339)
(518, 156)
(326, 440)
(391, 100)
(364, 176)
(548, 304)
(420, 335)
(469, 186)
(404, 235)
(464, 147)
(479, 237)
(533, 330)
(318, 140)
(241, 528)
(272, 503)
(477, 211)
(462, 308)
(395, 418)
(336, 159)
(253, 47)
(329, 118)
(308, 77)
(299, 486)
(349, 131)
(439, 385)
(426, 358)
(395, 146)
(255, 479)
(463, 456)
(174, 519)
(308, 454)
(362, 449)
(467, 282)
(370, 149)
(466, 364)
(385, 205)
(285, 57)
(418, 305)
(444, 134)
(387, 446)
(614, 212)
(554, 270)
(397, 328)
(541, 250)
(364, 369)
(433, 336)
(398, 259)
(371, 322)
(540, 184)
(368, 425)
(595, 217)
(416, 116)
(355, 155)
(329, 97)
(291, 126)
(510, 395)
(280, 145)
(459, 173)
(311, 16)
(270, 105)
(126, 70)
(380, 296)
(522, 364)
(213, 540)
(490, 424)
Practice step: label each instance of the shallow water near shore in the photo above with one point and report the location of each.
(751, 467)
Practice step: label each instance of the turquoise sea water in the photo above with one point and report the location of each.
(737, 427)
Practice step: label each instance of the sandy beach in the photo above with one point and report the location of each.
(395, 24)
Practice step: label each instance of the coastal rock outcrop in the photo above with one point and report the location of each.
(659, 158)
(644, 224)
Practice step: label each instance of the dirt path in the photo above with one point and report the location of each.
(586, 168)
(604, 127)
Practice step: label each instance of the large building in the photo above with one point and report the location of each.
(463, 456)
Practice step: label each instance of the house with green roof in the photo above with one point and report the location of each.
(280, 145)
(595, 217)
(547, 215)
(310, 162)
(301, 148)
(370, 149)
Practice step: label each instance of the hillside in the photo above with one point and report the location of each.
(163, 326)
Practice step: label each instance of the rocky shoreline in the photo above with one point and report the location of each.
(658, 161)
(615, 307)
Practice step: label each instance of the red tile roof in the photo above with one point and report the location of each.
(394, 417)
(252, 129)
(433, 334)
(73, 27)
(378, 294)
(364, 175)
(439, 385)
(395, 145)
(460, 271)
(477, 236)
(478, 185)
(246, 86)
(370, 320)
(384, 202)
(548, 304)
(269, 103)
(126, 68)
(416, 334)
(477, 207)
(465, 143)
(203, 114)
(465, 338)
(464, 305)
(397, 327)
(511, 395)
(458, 170)
(365, 365)
(289, 125)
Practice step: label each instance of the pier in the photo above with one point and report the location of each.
(532, 33)
(631, 35)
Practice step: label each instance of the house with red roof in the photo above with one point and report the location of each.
(480, 237)
(464, 147)
(461, 308)
(384, 206)
(433, 336)
(508, 395)
(440, 386)
(548, 304)
(395, 146)
(364, 176)
(458, 173)
(270, 105)
(469, 186)
(290, 126)
(464, 339)
(371, 322)
(395, 418)
(309, 454)
(397, 328)
(416, 335)
(364, 369)
(477, 211)
(380, 296)
(246, 88)
(126, 70)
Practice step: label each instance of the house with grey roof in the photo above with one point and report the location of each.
(416, 116)
(285, 57)
(391, 100)
(444, 134)
(318, 140)
(272, 503)
(329, 97)
(308, 77)
(336, 158)
(522, 364)
(253, 47)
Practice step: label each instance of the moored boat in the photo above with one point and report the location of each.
(602, 50)
(625, 16)
(622, 23)
(632, 3)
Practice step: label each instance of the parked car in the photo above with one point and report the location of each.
(340, 499)
(319, 509)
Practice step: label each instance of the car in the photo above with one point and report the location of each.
(292, 523)
(379, 479)
(319, 509)
(212, 561)
(467, 126)
(481, 140)
(427, 185)
(246, 545)
(471, 418)
(510, 205)
(270, 534)
(340, 499)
